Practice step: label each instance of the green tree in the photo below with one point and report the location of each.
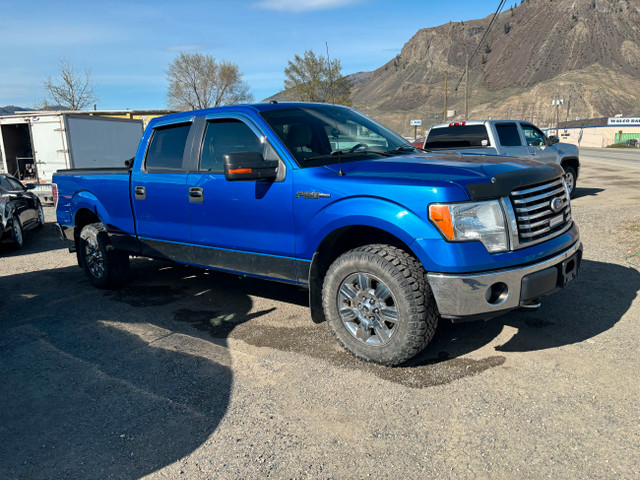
(73, 90)
(197, 81)
(314, 78)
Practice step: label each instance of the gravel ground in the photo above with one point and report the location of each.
(193, 374)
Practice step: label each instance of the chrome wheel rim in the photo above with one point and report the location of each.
(94, 258)
(40, 215)
(17, 232)
(570, 181)
(368, 309)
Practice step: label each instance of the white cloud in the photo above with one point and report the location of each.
(303, 5)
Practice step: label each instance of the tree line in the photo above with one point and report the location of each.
(198, 81)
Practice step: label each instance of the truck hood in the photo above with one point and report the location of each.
(490, 174)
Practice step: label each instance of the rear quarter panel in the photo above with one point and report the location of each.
(104, 193)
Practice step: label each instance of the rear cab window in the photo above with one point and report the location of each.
(458, 136)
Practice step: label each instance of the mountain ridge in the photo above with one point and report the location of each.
(584, 51)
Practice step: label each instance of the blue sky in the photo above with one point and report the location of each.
(128, 45)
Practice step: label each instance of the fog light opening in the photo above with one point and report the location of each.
(497, 293)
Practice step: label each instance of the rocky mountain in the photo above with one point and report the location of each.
(586, 52)
(11, 109)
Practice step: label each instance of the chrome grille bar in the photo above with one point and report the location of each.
(535, 219)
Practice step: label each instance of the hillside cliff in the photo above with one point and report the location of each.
(584, 51)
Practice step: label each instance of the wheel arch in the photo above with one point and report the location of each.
(572, 162)
(83, 217)
(335, 244)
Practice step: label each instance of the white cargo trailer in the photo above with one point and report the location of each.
(34, 145)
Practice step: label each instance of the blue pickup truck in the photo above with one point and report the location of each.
(388, 240)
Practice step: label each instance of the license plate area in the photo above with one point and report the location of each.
(569, 269)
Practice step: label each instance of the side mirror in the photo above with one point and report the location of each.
(249, 166)
(553, 139)
(30, 186)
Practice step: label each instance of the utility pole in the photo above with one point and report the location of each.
(444, 116)
(568, 108)
(557, 102)
(466, 90)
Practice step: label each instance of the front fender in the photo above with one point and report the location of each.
(391, 217)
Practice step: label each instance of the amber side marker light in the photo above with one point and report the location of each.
(441, 216)
(241, 170)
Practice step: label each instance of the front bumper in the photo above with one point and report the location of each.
(486, 295)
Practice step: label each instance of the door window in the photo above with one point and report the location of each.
(228, 136)
(535, 138)
(508, 135)
(166, 148)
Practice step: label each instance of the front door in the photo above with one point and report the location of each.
(537, 144)
(240, 226)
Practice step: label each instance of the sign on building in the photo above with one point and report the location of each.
(624, 121)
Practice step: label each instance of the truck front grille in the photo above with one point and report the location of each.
(542, 212)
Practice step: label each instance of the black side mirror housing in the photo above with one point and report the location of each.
(553, 139)
(30, 186)
(249, 166)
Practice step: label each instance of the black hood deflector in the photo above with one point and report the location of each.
(503, 184)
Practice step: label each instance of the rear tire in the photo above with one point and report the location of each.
(378, 304)
(104, 266)
(17, 234)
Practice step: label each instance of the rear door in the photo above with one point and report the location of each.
(159, 193)
(242, 226)
(511, 141)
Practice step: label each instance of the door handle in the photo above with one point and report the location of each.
(140, 193)
(196, 195)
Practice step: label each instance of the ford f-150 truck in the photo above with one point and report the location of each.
(509, 138)
(387, 239)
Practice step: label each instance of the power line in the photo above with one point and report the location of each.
(486, 33)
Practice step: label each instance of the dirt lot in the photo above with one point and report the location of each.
(194, 374)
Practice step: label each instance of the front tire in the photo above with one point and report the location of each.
(571, 179)
(41, 220)
(378, 304)
(104, 266)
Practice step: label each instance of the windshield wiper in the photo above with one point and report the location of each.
(352, 152)
(403, 148)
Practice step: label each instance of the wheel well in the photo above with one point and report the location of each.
(334, 245)
(84, 217)
(571, 162)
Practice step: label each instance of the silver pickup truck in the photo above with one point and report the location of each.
(509, 138)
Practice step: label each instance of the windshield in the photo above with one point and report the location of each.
(326, 134)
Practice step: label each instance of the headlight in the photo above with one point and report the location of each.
(465, 222)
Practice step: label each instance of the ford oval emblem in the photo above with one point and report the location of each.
(556, 205)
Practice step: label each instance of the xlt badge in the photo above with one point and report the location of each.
(312, 195)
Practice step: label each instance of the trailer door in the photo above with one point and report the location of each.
(49, 147)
